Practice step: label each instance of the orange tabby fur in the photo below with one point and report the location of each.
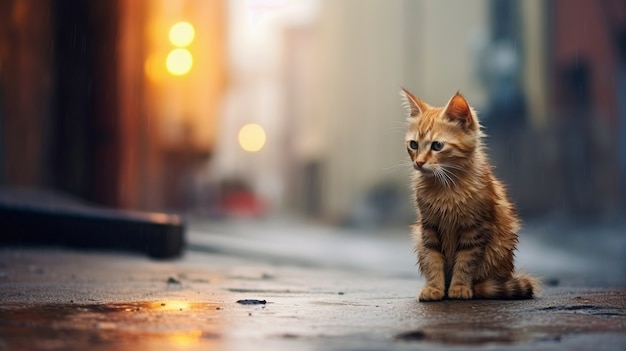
(465, 236)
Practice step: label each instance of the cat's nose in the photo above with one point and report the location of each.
(419, 164)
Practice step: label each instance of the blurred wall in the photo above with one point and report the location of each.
(89, 107)
(561, 156)
(364, 51)
(57, 108)
(26, 91)
(326, 89)
(586, 58)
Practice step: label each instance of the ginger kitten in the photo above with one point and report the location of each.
(465, 235)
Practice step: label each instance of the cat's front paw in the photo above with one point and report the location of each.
(461, 292)
(431, 293)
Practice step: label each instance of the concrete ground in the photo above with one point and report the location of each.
(302, 287)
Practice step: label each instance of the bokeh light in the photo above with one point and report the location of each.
(179, 62)
(182, 34)
(153, 67)
(252, 137)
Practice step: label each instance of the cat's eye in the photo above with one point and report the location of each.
(436, 146)
(413, 145)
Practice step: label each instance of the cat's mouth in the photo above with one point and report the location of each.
(425, 170)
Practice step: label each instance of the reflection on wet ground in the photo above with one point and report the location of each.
(243, 298)
(323, 321)
(136, 326)
(501, 322)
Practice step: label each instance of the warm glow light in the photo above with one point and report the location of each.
(179, 62)
(252, 137)
(171, 306)
(185, 339)
(153, 67)
(182, 34)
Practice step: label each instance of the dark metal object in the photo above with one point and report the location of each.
(251, 302)
(42, 219)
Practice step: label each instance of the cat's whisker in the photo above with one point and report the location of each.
(407, 165)
(448, 173)
(440, 173)
(399, 126)
(452, 174)
(452, 180)
(436, 173)
(447, 168)
(445, 174)
(399, 129)
(453, 166)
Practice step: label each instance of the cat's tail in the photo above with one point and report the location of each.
(519, 286)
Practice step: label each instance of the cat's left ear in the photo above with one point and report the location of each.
(458, 110)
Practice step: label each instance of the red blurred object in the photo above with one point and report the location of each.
(242, 203)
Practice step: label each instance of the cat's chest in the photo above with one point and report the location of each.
(449, 209)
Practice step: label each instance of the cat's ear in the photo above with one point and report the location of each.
(413, 105)
(458, 110)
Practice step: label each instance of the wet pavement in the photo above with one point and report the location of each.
(323, 288)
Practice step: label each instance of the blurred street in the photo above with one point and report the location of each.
(311, 287)
(552, 249)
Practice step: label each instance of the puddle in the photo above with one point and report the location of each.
(167, 325)
(338, 303)
(479, 336)
(463, 336)
(506, 323)
(594, 310)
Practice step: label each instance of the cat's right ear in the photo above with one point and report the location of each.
(413, 105)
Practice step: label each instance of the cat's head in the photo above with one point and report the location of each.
(441, 140)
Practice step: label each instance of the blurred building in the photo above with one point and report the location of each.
(351, 135)
(544, 77)
(273, 106)
(104, 100)
(588, 100)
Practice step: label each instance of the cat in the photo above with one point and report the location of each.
(466, 232)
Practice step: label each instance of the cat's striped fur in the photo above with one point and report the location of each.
(465, 236)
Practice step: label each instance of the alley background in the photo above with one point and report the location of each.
(108, 102)
(275, 129)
